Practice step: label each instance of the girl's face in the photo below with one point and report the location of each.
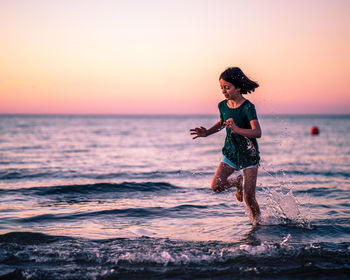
(229, 90)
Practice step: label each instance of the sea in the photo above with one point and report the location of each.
(129, 197)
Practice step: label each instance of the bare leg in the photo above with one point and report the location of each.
(220, 182)
(250, 177)
(238, 183)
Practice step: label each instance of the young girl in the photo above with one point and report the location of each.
(240, 151)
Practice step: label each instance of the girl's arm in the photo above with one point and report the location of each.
(253, 132)
(203, 132)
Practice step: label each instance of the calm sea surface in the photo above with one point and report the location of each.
(119, 197)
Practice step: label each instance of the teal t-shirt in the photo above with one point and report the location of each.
(241, 150)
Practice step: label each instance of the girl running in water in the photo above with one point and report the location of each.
(240, 151)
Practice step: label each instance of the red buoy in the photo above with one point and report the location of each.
(314, 130)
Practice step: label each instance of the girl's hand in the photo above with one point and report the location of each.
(199, 132)
(231, 125)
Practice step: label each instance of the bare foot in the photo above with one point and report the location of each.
(257, 221)
(239, 188)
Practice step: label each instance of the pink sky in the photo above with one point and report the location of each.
(164, 57)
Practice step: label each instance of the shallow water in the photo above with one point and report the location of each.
(118, 197)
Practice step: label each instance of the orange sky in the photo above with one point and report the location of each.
(164, 57)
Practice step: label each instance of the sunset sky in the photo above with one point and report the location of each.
(165, 57)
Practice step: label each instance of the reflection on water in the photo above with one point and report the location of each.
(131, 197)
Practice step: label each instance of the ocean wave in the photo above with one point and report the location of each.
(305, 172)
(38, 256)
(91, 189)
(324, 191)
(27, 238)
(50, 173)
(181, 211)
(47, 173)
(11, 174)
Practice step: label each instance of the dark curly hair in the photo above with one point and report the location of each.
(235, 76)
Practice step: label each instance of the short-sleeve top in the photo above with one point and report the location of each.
(241, 150)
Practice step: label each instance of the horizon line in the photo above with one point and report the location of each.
(165, 115)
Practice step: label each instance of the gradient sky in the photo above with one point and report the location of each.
(164, 57)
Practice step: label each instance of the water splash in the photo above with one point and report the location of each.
(282, 207)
